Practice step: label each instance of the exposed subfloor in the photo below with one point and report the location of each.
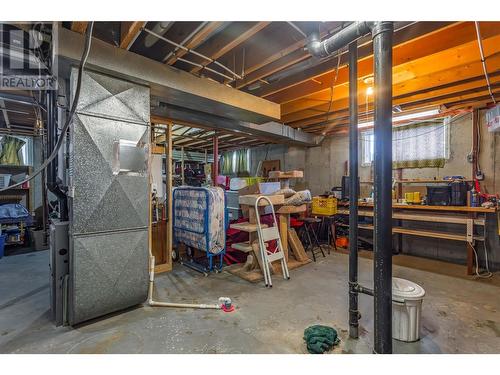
(459, 315)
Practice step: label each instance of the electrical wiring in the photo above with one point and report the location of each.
(443, 127)
(332, 86)
(53, 155)
(487, 273)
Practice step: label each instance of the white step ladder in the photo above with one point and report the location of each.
(266, 235)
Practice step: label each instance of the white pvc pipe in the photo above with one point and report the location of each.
(153, 303)
(185, 305)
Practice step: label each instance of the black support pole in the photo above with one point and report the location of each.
(382, 51)
(353, 190)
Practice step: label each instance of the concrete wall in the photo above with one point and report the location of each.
(325, 165)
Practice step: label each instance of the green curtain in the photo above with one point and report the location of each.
(242, 163)
(239, 168)
(10, 150)
(227, 163)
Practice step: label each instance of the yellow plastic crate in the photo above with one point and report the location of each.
(324, 206)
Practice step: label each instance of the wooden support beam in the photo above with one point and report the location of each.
(223, 140)
(168, 237)
(79, 26)
(129, 33)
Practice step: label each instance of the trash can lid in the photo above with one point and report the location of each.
(403, 289)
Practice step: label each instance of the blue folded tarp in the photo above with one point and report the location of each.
(11, 213)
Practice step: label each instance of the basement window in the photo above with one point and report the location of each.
(421, 145)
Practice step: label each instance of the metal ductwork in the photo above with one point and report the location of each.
(174, 86)
(270, 131)
(382, 33)
(339, 40)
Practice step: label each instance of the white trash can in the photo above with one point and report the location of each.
(407, 298)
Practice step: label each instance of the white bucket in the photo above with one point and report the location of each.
(407, 298)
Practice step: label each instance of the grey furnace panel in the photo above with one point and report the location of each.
(109, 212)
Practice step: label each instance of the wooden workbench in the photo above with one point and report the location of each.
(468, 216)
(251, 271)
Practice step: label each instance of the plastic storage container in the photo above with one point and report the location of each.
(324, 205)
(407, 298)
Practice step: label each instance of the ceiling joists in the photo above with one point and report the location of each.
(206, 31)
(79, 27)
(236, 33)
(434, 64)
(129, 33)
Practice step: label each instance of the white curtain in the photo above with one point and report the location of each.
(413, 146)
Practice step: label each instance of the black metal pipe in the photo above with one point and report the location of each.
(353, 190)
(382, 51)
(338, 40)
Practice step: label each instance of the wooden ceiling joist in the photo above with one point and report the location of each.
(79, 26)
(446, 67)
(447, 39)
(278, 61)
(433, 84)
(434, 64)
(236, 33)
(451, 100)
(323, 71)
(195, 41)
(129, 33)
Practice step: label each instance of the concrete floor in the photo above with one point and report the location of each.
(459, 315)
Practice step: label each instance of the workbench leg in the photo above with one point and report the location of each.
(283, 227)
(470, 259)
(333, 229)
(257, 256)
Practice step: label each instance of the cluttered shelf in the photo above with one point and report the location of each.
(435, 215)
(430, 208)
(15, 205)
(421, 233)
(424, 181)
